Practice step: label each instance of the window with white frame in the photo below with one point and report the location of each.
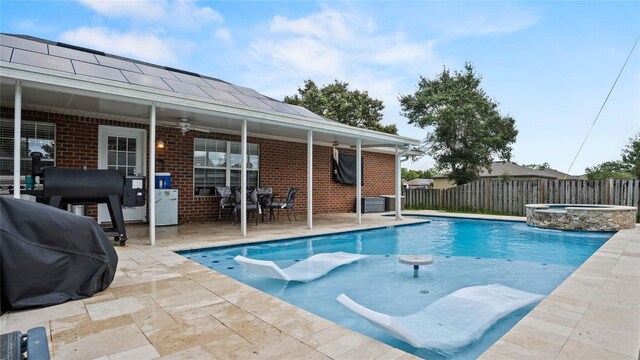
(218, 163)
(35, 137)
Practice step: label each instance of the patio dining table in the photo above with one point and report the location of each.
(262, 199)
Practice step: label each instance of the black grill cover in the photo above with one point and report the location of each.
(49, 256)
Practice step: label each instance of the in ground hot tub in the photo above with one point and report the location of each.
(581, 217)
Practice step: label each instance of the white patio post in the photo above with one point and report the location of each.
(310, 179)
(17, 130)
(243, 179)
(152, 175)
(358, 181)
(398, 184)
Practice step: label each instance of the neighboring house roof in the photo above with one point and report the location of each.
(501, 168)
(98, 74)
(420, 182)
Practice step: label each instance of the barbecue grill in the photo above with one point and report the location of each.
(64, 186)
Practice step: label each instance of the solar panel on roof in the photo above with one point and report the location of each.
(103, 72)
(180, 71)
(247, 91)
(5, 53)
(220, 85)
(190, 79)
(222, 96)
(305, 112)
(184, 88)
(155, 71)
(251, 101)
(117, 63)
(72, 54)
(24, 44)
(280, 106)
(146, 80)
(41, 60)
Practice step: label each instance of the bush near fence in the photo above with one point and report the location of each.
(509, 197)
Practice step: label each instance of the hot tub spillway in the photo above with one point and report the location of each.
(583, 217)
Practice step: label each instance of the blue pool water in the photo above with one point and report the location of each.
(466, 253)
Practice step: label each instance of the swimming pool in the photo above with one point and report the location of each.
(466, 253)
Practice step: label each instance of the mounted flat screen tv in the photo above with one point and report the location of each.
(344, 169)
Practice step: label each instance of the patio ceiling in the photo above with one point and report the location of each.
(70, 81)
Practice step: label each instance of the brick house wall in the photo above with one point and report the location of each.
(282, 165)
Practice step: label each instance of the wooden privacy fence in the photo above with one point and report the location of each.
(511, 196)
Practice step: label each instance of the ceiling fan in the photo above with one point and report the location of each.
(184, 125)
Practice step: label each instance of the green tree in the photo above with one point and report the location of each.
(466, 129)
(610, 170)
(627, 168)
(631, 155)
(335, 101)
(407, 174)
(543, 166)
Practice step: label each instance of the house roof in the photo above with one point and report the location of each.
(26, 50)
(44, 64)
(501, 168)
(420, 182)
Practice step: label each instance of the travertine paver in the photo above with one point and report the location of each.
(164, 305)
(594, 314)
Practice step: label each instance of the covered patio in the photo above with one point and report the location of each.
(62, 81)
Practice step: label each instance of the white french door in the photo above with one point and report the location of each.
(122, 149)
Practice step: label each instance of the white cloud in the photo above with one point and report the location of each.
(223, 34)
(141, 9)
(183, 14)
(501, 20)
(327, 24)
(328, 44)
(303, 55)
(145, 47)
(186, 14)
(404, 52)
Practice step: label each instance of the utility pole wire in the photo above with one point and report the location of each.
(605, 101)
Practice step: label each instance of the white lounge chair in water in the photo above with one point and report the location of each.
(306, 270)
(451, 322)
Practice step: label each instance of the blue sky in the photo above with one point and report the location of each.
(549, 64)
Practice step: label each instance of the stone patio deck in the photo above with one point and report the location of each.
(162, 305)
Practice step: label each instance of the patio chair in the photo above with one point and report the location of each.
(253, 206)
(288, 205)
(451, 322)
(226, 200)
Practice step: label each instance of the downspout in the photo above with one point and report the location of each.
(400, 154)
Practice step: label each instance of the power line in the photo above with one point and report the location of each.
(603, 104)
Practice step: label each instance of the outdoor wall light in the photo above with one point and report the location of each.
(160, 144)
